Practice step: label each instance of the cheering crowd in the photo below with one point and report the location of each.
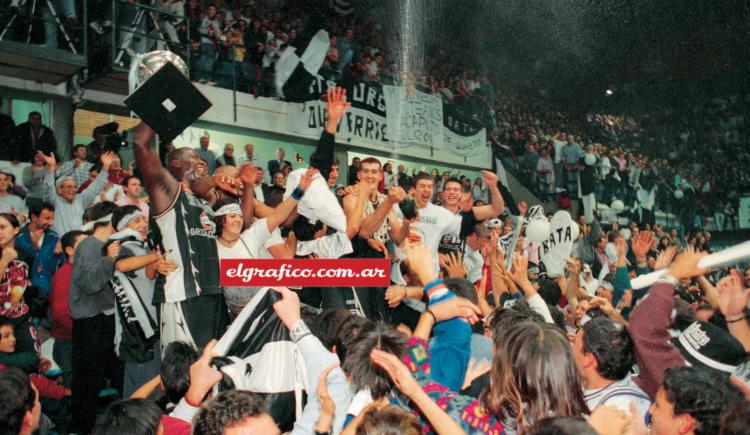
(474, 334)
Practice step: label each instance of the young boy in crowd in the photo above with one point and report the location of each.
(62, 322)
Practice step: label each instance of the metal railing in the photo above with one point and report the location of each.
(125, 29)
(47, 23)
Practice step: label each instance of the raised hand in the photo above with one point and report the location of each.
(456, 307)
(490, 178)
(107, 159)
(227, 183)
(307, 178)
(642, 244)
(143, 135)
(732, 298)
(249, 174)
(288, 308)
(466, 202)
(604, 304)
(420, 261)
(453, 264)
(327, 405)
(49, 160)
(520, 274)
(203, 376)
(686, 264)
(397, 371)
(574, 265)
(396, 195)
(522, 208)
(665, 257)
(337, 106)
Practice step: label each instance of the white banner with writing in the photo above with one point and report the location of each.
(414, 118)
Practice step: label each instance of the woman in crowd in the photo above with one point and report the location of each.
(14, 266)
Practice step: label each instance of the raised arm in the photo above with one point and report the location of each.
(733, 303)
(282, 211)
(496, 205)
(95, 188)
(649, 325)
(161, 186)
(371, 223)
(354, 209)
(520, 275)
(49, 179)
(322, 158)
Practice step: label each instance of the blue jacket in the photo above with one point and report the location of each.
(46, 261)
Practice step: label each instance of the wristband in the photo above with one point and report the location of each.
(299, 331)
(737, 319)
(431, 284)
(297, 194)
(434, 317)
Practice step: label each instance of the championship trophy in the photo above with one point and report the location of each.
(162, 95)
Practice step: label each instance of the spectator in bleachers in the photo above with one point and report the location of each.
(279, 163)
(62, 322)
(227, 157)
(210, 31)
(133, 188)
(32, 136)
(10, 202)
(206, 154)
(69, 205)
(33, 179)
(571, 153)
(38, 239)
(77, 167)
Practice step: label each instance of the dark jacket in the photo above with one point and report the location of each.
(23, 146)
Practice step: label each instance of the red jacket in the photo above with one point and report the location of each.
(62, 322)
(649, 329)
(47, 387)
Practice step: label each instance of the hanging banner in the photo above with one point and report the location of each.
(415, 118)
(463, 135)
(365, 119)
(390, 116)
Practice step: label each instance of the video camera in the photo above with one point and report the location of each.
(113, 140)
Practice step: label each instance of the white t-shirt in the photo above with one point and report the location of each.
(433, 223)
(250, 243)
(474, 263)
(618, 394)
(273, 240)
(558, 144)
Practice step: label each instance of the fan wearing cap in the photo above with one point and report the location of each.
(69, 205)
(701, 345)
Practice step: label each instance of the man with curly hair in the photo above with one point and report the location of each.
(691, 400)
(234, 412)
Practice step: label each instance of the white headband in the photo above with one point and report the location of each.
(90, 225)
(127, 218)
(228, 209)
